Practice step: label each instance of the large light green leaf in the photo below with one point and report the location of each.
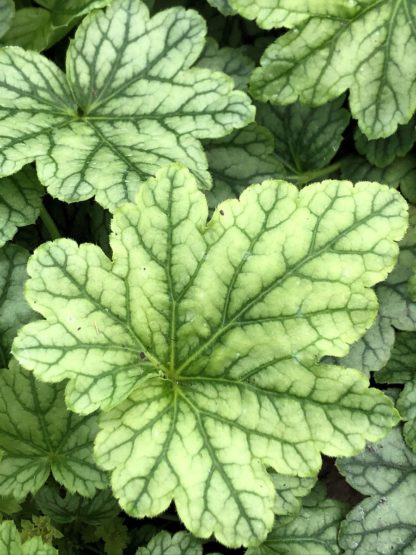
(401, 369)
(385, 522)
(370, 52)
(38, 436)
(288, 13)
(313, 532)
(130, 105)
(7, 12)
(214, 333)
(14, 310)
(20, 202)
(11, 543)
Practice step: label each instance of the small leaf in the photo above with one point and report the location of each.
(223, 6)
(212, 334)
(384, 522)
(313, 532)
(11, 543)
(289, 493)
(109, 124)
(366, 51)
(38, 436)
(20, 202)
(39, 526)
(179, 544)
(7, 12)
(113, 533)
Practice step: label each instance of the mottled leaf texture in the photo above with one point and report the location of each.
(38, 436)
(40, 28)
(14, 310)
(20, 202)
(401, 369)
(11, 543)
(290, 490)
(206, 339)
(385, 522)
(7, 12)
(178, 544)
(369, 51)
(130, 103)
(313, 532)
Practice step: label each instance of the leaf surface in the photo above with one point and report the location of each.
(112, 122)
(212, 335)
(11, 543)
(368, 52)
(38, 436)
(7, 12)
(385, 521)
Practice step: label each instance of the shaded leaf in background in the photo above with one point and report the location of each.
(11, 543)
(383, 152)
(314, 531)
(113, 533)
(20, 202)
(369, 52)
(223, 6)
(214, 334)
(385, 522)
(111, 123)
(38, 435)
(7, 12)
(39, 526)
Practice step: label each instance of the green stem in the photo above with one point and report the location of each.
(316, 174)
(49, 223)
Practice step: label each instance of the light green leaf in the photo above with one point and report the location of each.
(385, 522)
(244, 157)
(383, 152)
(127, 119)
(64, 13)
(178, 544)
(369, 53)
(74, 508)
(7, 12)
(214, 332)
(11, 543)
(306, 138)
(14, 310)
(20, 202)
(289, 493)
(223, 6)
(401, 369)
(313, 532)
(38, 436)
(231, 61)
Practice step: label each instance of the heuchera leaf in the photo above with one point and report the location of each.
(7, 12)
(214, 333)
(14, 310)
(11, 543)
(401, 369)
(38, 436)
(289, 493)
(20, 202)
(313, 532)
(384, 522)
(223, 6)
(127, 106)
(370, 52)
(178, 544)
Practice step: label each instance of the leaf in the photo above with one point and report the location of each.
(7, 12)
(214, 333)
(289, 493)
(10, 542)
(223, 6)
(313, 532)
(9, 505)
(244, 157)
(20, 202)
(367, 52)
(288, 13)
(306, 138)
(231, 61)
(401, 369)
(38, 436)
(74, 508)
(108, 126)
(14, 310)
(383, 152)
(385, 521)
(39, 526)
(180, 543)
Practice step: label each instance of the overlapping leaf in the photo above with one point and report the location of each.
(20, 202)
(11, 543)
(127, 107)
(178, 544)
(369, 51)
(7, 12)
(214, 334)
(38, 436)
(384, 522)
